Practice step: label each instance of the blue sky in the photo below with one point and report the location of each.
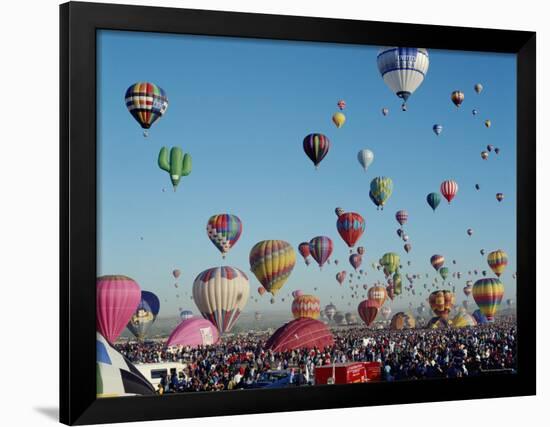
(241, 108)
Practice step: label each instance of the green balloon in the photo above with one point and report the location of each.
(176, 163)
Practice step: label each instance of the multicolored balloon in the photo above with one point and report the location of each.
(320, 248)
(221, 294)
(341, 104)
(484, 155)
(117, 298)
(448, 189)
(224, 231)
(385, 111)
(355, 261)
(488, 295)
(441, 302)
(316, 146)
(350, 226)
(500, 197)
(403, 69)
(402, 216)
(377, 294)
(147, 103)
(381, 189)
(306, 306)
(144, 315)
(437, 261)
(272, 262)
(303, 248)
(497, 260)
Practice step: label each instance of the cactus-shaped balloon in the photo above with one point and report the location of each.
(177, 164)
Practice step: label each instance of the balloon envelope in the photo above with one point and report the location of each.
(301, 333)
(117, 298)
(194, 332)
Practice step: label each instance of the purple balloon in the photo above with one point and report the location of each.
(194, 332)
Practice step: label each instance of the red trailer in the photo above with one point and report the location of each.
(341, 373)
(373, 370)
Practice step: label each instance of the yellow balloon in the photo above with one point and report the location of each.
(339, 119)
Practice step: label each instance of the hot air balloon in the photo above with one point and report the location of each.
(330, 311)
(484, 155)
(257, 316)
(365, 158)
(351, 319)
(449, 189)
(221, 293)
(303, 333)
(403, 69)
(477, 186)
(297, 293)
(194, 332)
(339, 211)
(441, 302)
(385, 111)
(469, 232)
(117, 298)
(497, 260)
(467, 290)
(488, 295)
(437, 261)
(474, 112)
(186, 314)
(224, 231)
(147, 103)
(380, 190)
(390, 261)
(457, 97)
(386, 311)
(340, 318)
(390, 291)
(437, 129)
(341, 104)
(402, 216)
(497, 150)
(316, 146)
(482, 252)
(487, 123)
(176, 273)
(338, 119)
(444, 272)
(368, 310)
(272, 261)
(500, 197)
(355, 261)
(479, 317)
(405, 237)
(397, 284)
(402, 321)
(306, 306)
(478, 87)
(490, 147)
(350, 226)
(261, 290)
(177, 164)
(320, 248)
(407, 247)
(303, 248)
(144, 315)
(433, 200)
(377, 294)
(361, 251)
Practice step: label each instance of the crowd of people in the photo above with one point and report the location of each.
(241, 361)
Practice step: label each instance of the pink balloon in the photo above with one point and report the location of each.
(194, 332)
(117, 298)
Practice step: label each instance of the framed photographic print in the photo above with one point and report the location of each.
(296, 212)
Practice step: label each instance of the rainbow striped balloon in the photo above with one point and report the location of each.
(488, 295)
(497, 260)
(320, 248)
(272, 261)
(306, 306)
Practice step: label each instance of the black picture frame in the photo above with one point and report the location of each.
(78, 25)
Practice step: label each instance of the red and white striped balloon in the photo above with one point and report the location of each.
(449, 189)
